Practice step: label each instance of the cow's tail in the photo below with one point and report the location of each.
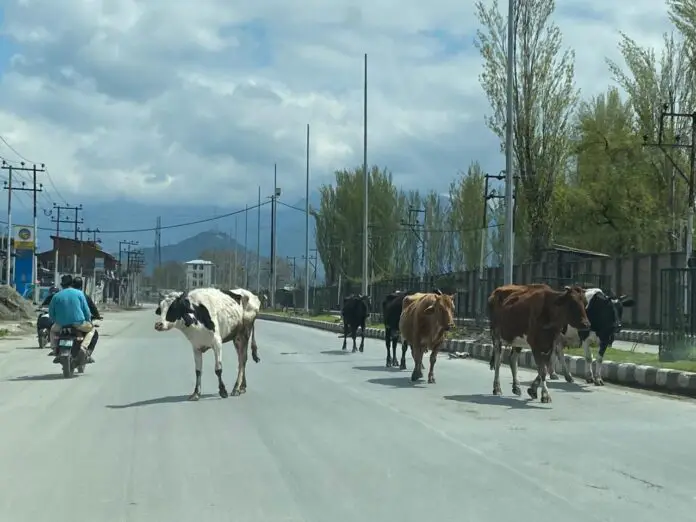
(254, 346)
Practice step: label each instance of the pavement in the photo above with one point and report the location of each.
(324, 435)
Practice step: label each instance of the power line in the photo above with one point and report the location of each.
(178, 225)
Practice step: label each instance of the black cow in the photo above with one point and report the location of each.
(391, 312)
(605, 313)
(355, 311)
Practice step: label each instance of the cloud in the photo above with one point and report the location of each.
(171, 101)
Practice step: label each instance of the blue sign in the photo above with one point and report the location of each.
(24, 268)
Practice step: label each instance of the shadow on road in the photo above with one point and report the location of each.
(493, 400)
(44, 377)
(397, 382)
(160, 400)
(383, 368)
(336, 352)
(35, 347)
(571, 387)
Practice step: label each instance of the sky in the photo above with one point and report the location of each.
(184, 107)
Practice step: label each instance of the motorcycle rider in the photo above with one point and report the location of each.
(78, 285)
(69, 308)
(42, 321)
(53, 291)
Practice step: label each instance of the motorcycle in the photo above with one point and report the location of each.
(70, 356)
(43, 327)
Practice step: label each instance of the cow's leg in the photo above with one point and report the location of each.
(589, 375)
(514, 359)
(354, 334)
(417, 353)
(542, 370)
(433, 359)
(346, 328)
(254, 346)
(198, 360)
(603, 345)
(395, 341)
(240, 343)
(404, 349)
(497, 359)
(217, 352)
(362, 336)
(388, 342)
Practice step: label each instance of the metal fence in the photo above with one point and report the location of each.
(677, 314)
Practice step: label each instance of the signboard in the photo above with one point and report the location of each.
(23, 268)
(98, 264)
(23, 237)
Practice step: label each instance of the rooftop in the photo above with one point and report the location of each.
(198, 262)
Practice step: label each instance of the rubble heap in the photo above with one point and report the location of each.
(13, 307)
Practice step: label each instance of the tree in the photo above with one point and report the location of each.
(169, 275)
(467, 198)
(544, 99)
(339, 223)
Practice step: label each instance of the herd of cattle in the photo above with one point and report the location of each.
(536, 315)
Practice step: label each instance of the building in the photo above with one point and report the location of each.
(199, 274)
(88, 254)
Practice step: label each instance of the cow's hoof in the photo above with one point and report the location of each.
(431, 379)
(402, 366)
(235, 392)
(396, 364)
(361, 349)
(589, 380)
(598, 381)
(545, 398)
(533, 393)
(194, 396)
(354, 350)
(223, 392)
(516, 390)
(569, 378)
(415, 376)
(256, 358)
(497, 390)
(553, 376)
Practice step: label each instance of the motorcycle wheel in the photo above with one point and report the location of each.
(68, 369)
(43, 339)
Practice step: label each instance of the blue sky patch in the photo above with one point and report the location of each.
(7, 48)
(449, 44)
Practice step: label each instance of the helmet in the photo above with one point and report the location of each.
(66, 281)
(77, 282)
(53, 290)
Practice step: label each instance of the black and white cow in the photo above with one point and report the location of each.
(605, 314)
(208, 317)
(391, 312)
(355, 311)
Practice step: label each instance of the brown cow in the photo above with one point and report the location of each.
(537, 313)
(425, 319)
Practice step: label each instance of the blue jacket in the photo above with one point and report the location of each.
(69, 307)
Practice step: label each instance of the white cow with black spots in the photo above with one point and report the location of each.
(209, 317)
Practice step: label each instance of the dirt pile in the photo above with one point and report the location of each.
(13, 307)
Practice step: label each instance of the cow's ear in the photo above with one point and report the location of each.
(429, 310)
(627, 301)
(452, 296)
(158, 311)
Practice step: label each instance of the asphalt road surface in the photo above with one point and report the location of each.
(325, 436)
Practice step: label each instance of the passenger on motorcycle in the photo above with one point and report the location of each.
(77, 284)
(69, 308)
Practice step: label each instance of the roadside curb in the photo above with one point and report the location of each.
(624, 374)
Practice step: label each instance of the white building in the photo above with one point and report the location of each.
(199, 274)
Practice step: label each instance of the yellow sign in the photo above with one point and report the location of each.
(23, 237)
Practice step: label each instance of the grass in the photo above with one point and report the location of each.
(648, 359)
(4, 332)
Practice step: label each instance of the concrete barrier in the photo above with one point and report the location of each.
(625, 374)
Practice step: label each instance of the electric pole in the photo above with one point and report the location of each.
(366, 181)
(236, 249)
(258, 245)
(158, 241)
(120, 250)
(306, 286)
(509, 238)
(415, 226)
(274, 238)
(294, 265)
(246, 246)
(75, 222)
(37, 187)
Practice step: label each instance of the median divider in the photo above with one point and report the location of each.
(624, 374)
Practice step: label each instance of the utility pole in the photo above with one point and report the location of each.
(75, 222)
(312, 260)
(236, 249)
(509, 258)
(158, 241)
(36, 188)
(366, 181)
(258, 245)
(274, 238)
(294, 265)
(120, 250)
(246, 246)
(306, 286)
(415, 226)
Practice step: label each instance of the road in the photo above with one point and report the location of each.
(325, 436)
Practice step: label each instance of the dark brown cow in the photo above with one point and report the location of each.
(537, 314)
(425, 319)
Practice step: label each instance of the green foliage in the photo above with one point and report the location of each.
(590, 173)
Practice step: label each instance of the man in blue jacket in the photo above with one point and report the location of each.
(69, 308)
